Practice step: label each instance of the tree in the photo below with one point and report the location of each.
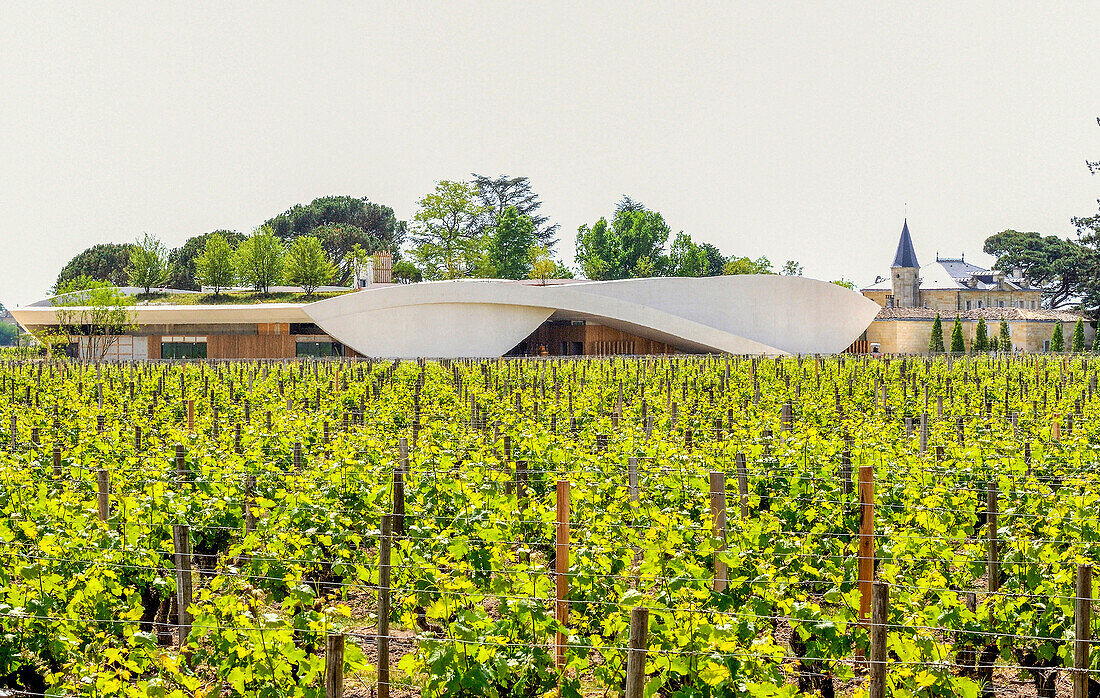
(1059, 267)
(1006, 337)
(1077, 341)
(216, 266)
(791, 268)
(341, 222)
(510, 244)
(306, 265)
(744, 265)
(446, 232)
(260, 260)
(104, 262)
(935, 342)
(182, 260)
(9, 334)
(148, 266)
(405, 272)
(981, 337)
(715, 259)
(497, 194)
(851, 286)
(685, 258)
(957, 346)
(1057, 340)
(629, 247)
(91, 314)
(1096, 341)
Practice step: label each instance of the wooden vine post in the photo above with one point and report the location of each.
(103, 485)
(866, 538)
(181, 541)
(718, 517)
(334, 666)
(382, 640)
(1082, 636)
(635, 660)
(993, 563)
(632, 476)
(877, 665)
(561, 565)
(190, 416)
(742, 486)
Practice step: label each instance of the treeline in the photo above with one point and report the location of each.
(486, 227)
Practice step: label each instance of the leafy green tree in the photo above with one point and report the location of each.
(630, 246)
(405, 272)
(935, 342)
(1096, 340)
(148, 267)
(1058, 339)
(306, 265)
(957, 345)
(341, 222)
(791, 268)
(1058, 266)
(1077, 341)
(446, 232)
(216, 266)
(91, 314)
(981, 337)
(9, 334)
(1006, 337)
(497, 194)
(715, 259)
(744, 265)
(103, 262)
(182, 260)
(685, 258)
(260, 260)
(510, 243)
(851, 286)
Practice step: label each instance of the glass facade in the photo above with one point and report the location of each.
(318, 349)
(183, 350)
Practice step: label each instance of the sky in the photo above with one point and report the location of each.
(793, 130)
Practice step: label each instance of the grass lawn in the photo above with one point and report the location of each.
(230, 298)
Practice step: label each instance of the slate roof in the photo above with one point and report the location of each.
(906, 256)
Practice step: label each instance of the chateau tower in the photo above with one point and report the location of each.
(904, 272)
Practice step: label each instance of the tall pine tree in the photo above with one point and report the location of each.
(935, 342)
(1077, 343)
(1057, 340)
(981, 337)
(957, 346)
(1006, 337)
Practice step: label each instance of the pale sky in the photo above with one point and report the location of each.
(792, 130)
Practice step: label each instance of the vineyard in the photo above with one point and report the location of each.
(705, 527)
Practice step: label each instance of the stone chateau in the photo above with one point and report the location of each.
(912, 295)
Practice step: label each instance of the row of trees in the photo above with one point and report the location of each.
(485, 227)
(1002, 341)
(342, 224)
(261, 261)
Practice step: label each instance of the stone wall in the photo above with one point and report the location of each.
(905, 336)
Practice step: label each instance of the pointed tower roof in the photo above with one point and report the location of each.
(906, 256)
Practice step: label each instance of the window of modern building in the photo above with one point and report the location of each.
(318, 349)
(183, 348)
(578, 348)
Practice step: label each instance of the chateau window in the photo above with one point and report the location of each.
(1002, 304)
(968, 305)
(979, 304)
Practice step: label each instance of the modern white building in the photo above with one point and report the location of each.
(749, 314)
